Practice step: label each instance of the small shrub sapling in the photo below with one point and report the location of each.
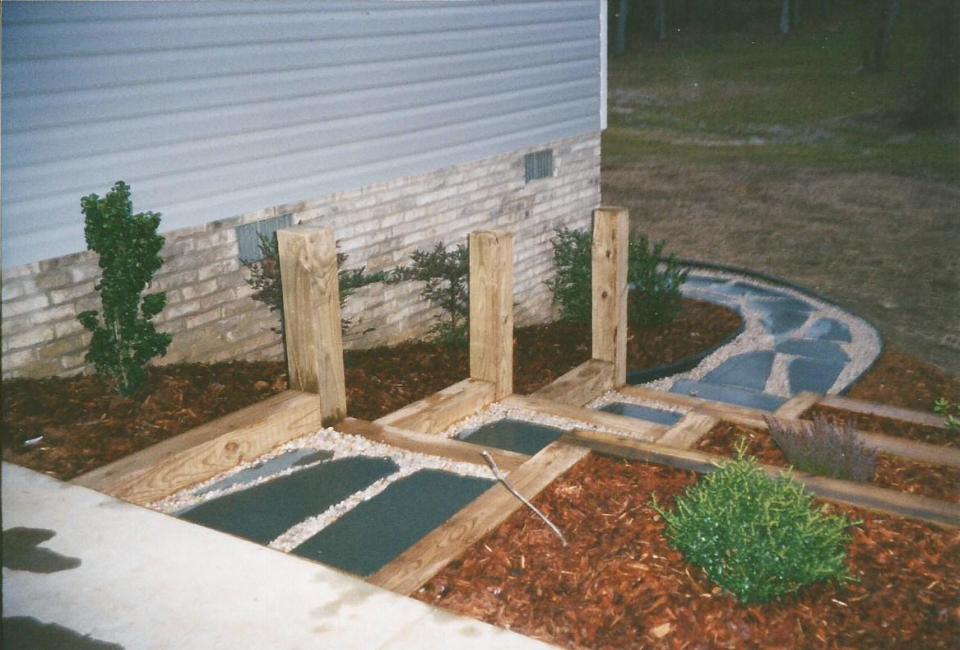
(124, 337)
(758, 537)
(655, 280)
(265, 278)
(445, 275)
(950, 412)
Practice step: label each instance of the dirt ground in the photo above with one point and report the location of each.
(883, 245)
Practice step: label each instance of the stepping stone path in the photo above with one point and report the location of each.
(792, 342)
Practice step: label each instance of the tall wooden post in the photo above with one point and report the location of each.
(610, 239)
(311, 314)
(491, 310)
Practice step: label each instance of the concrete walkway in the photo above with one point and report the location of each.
(83, 570)
(792, 342)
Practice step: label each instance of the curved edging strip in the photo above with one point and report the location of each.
(775, 280)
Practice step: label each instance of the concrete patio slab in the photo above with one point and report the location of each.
(148, 580)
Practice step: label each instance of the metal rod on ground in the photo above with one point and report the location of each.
(503, 479)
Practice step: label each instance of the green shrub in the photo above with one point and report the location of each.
(265, 278)
(656, 281)
(950, 413)
(824, 447)
(444, 274)
(571, 285)
(757, 537)
(124, 338)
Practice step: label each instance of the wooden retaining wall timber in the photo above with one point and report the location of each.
(205, 451)
(870, 497)
(893, 445)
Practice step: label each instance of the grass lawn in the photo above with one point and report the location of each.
(778, 155)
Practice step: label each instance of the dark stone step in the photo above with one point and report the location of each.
(296, 458)
(813, 375)
(825, 351)
(658, 416)
(371, 535)
(830, 329)
(262, 512)
(514, 435)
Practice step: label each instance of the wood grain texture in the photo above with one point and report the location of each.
(207, 450)
(581, 385)
(491, 310)
(797, 405)
(426, 443)
(882, 410)
(609, 280)
(727, 412)
(870, 497)
(435, 413)
(688, 431)
(311, 314)
(415, 566)
(632, 426)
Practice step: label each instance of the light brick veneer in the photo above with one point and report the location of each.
(209, 310)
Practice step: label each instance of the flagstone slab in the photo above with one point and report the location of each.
(658, 416)
(296, 458)
(813, 375)
(263, 512)
(829, 329)
(372, 534)
(728, 394)
(747, 370)
(514, 435)
(825, 351)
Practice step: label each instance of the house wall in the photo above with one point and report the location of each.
(213, 109)
(210, 312)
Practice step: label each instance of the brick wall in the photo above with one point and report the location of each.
(209, 310)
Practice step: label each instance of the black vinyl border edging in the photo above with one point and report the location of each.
(772, 279)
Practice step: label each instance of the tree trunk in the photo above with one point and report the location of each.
(879, 34)
(938, 102)
(661, 20)
(620, 42)
(785, 17)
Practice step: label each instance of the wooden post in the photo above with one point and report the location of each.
(491, 310)
(610, 237)
(311, 314)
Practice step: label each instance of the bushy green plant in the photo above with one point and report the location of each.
(950, 413)
(265, 278)
(571, 285)
(757, 537)
(124, 338)
(656, 282)
(444, 274)
(825, 447)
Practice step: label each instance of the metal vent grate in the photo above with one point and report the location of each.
(249, 234)
(538, 164)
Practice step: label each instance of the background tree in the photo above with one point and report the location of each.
(879, 22)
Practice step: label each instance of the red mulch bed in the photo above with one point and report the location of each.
(935, 481)
(899, 380)
(85, 425)
(620, 585)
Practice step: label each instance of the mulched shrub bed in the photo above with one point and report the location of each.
(85, 425)
(935, 481)
(620, 585)
(899, 380)
(888, 426)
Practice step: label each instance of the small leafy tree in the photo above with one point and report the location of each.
(444, 274)
(124, 338)
(571, 286)
(655, 281)
(265, 278)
